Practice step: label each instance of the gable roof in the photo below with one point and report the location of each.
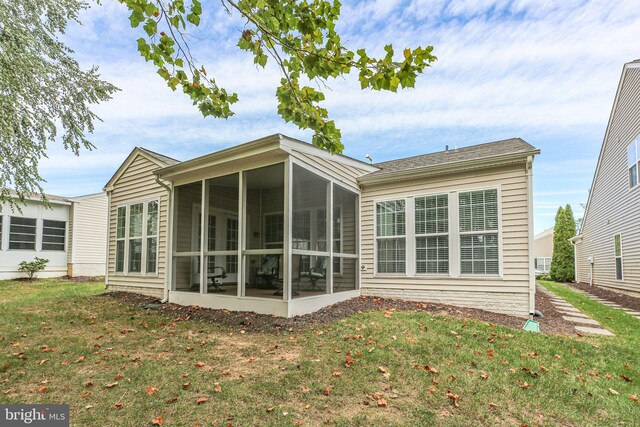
(157, 158)
(36, 197)
(270, 143)
(545, 233)
(627, 66)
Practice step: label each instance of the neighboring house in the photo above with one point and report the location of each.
(543, 251)
(608, 246)
(70, 233)
(279, 226)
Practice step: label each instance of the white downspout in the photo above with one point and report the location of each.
(532, 277)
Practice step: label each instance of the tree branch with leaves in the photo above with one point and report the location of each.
(300, 37)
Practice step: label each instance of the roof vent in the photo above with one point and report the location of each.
(446, 148)
(368, 157)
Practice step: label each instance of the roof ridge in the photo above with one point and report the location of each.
(155, 153)
(455, 150)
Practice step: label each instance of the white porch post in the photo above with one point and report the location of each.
(288, 236)
(203, 237)
(242, 233)
(329, 237)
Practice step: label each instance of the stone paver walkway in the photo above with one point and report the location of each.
(607, 303)
(581, 321)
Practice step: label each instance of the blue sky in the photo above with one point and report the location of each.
(542, 70)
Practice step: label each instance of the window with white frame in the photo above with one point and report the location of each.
(617, 241)
(274, 231)
(432, 234)
(232, 245)
(53, 235)
(633, 163)
(391, 236)
(543, 264)
(22, 233)
(137, 238)
(479, 232)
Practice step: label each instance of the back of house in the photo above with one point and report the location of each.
(281, 227)
(608, 246)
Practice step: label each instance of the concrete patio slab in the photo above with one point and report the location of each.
(583, 320)
(595, 331)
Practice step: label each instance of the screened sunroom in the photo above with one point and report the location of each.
(277, 237)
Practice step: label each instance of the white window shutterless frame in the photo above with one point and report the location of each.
(454, 235)
(141, 238)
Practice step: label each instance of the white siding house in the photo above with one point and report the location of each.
(70, 233)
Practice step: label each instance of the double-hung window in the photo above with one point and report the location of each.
(479, 232)
(432, 234)
(137, 238)
(617, 241)
(633, 162)
(391, 236)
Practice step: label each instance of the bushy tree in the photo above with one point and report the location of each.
(42, 89)
(45, 96)
(563, 261)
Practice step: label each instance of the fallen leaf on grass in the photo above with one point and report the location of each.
(626, 378)
(336, 373)
(327, 391)
(86, 394)
(111, 385)
(269, 409)
(202, 400)
(186, 385)
(117, 377)
(199, 364)
(388, 314)
(523, 385)
(493, 405)
(431, 389)
(173, 400)
(157, 421)
(454, 397)
(43, 361)
(42, 389)
(218, 389)
(484, 375)
(9, 390)
(634, 398)
(80, 359)
(151, 390)
(614, 392)
(381, 402)
(119, 405)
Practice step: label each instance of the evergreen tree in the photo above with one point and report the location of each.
(562, 263)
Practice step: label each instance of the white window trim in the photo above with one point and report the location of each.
(407, 250)
(454, 236)
(37, 235)
(66, 231)
(615, 257)
(144, 236)
(498, 231)
(636, 144)
(448, 234)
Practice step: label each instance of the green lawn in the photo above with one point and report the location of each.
(118, 365)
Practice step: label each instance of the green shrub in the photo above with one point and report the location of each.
(31, 268)
(544, 276)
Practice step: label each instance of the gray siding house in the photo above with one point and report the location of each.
(608, 246)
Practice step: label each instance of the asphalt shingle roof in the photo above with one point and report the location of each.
(161, 157)
(473, 152)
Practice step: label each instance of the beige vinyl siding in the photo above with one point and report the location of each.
(512, 287)
(88, 235)
(614, 207)
(543, 245)
(136, 184)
